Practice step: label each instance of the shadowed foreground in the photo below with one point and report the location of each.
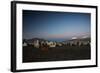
(31, 54)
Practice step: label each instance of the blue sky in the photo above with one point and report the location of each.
(57, 26)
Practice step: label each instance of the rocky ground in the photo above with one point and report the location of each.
(31, 54)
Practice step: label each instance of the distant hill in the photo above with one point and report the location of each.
(33, 39)
(40, 39)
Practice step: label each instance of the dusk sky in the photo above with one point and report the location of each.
(55, 26)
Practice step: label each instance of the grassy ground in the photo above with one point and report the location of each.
(31, 54)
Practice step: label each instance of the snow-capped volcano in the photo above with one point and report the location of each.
(83, 37)
(74, 37)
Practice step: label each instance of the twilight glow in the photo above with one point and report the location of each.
(56, 26)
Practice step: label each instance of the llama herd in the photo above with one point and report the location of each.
(39, 44)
